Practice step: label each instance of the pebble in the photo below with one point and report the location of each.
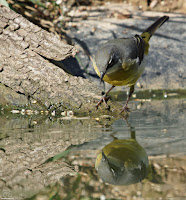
(134, 95)
(15, 111)
(46, 112)
(36, 112)
(69, 113)
(34, 122)
(34, 101)
(29, 112)
(53, 113)
(23, 111)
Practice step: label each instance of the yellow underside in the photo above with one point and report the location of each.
(123, 76)
(122, 150)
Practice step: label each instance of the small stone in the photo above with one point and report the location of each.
(138, 84)
(36, 112)
(34, 122)
(46, 112)
(165, 95)
(53, 113)
(70, 113)
(139, 106)
(23, 111)
(29, 112)
(102, 197)
(66, 80)
(34, 101)
(58, 2)
(164, 130)
(134, 95)
(15, 111)
(64, 113)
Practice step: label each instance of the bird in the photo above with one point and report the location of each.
(122, 162)
(121, 61)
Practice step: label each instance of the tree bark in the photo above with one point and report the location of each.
(26, 70)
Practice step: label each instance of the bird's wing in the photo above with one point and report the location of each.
(140, 47)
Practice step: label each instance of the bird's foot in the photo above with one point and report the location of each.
(103, 99)
(125, 109)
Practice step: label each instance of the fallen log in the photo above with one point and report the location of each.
(26, 73)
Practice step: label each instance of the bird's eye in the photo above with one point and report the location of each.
(113, 60)
(110, 61)
(113, 172)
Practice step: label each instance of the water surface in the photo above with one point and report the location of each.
(45, 157)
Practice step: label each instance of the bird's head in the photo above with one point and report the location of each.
(122, 162)
(106, 59)
(105, 171)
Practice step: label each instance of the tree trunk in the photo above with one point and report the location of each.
(27, 73)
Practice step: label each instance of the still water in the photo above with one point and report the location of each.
(141, 157)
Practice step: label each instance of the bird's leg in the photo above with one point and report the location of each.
(125, 108)
(104, 98)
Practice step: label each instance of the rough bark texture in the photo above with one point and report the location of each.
(25, 68)
(23, 171)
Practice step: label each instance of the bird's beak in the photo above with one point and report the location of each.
(102, 74)
(103, 156)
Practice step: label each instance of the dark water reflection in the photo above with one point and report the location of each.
(54, 158)
(122, 162)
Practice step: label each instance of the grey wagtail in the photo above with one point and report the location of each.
(120, 61)
(122, 162)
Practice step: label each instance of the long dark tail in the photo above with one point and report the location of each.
(146, 35)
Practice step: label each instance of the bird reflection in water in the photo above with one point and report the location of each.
(122, 162)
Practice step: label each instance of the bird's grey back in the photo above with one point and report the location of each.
(125, 48)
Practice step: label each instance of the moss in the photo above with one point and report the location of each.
(150, 94)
